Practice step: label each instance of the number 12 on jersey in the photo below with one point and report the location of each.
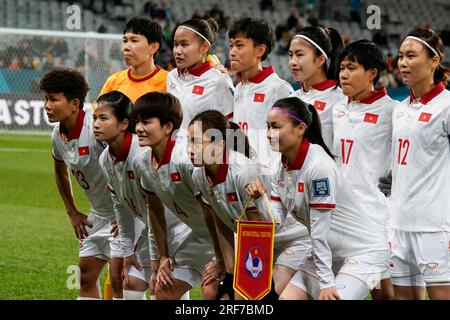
(403, 148)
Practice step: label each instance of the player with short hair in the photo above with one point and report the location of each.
(195, 82)
(75, 149)
(313, 60)
(421, 172)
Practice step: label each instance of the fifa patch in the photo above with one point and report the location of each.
(321, 188)
(198, 90)
(425, 117)
(259, 97)
(175, 177)
(130, 174)
(319, 105)
(83, 151)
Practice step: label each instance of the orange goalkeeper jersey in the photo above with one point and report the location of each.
(134, 87)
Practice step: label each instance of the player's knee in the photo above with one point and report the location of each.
(164, 293)
(134, 295)
(210, 292)
(116, 282)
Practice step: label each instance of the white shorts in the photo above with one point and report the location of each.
(142, 252)
(355, 276)
(420, 258)
(191, 256)
(292, 254)
(100, 243)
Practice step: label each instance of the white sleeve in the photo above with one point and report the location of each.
(55, 150)
(225, 96)
(284, 90)
(279, 210)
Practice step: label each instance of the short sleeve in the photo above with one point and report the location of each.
(56, 153)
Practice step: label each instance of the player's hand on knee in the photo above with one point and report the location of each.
(127, 263)
(114, 228)
(214, 272)
(255, 189)
(164, 276)
(79, 222)
(329, 294)
(385, 184)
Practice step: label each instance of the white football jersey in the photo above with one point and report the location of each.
(201, 89)
(80, 154)
(323, 96)
(227, 196)
(252, 102)
(421, 163)
(362, 145)
(172, 183)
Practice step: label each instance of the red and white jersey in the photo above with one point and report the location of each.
(227, 197)
(80, 154)
(122, 175)
(203, 88)
(362, 145)
(323, 96)
(421, 163)
(252, 102)
(172, 183)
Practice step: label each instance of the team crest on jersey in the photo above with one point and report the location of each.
(319, 105)
(175, 177)
(130, 175)
(301, 187)
(83, 151)
(371, 118)
(254, 262)
(198, 90)
(321, 187)
(425, 117)
(259, 97)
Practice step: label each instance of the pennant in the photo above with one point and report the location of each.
(198, 90)
(370, 117)
(254, 258)
(175, 177)
(83, 151)
(130, 174)
(301, 187)
(425, 117)
(232, 197)
(259, 97)
(319, 105)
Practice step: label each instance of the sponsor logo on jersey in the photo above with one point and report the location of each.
(83, 151)
(175, 177)
(130, 174)
(371, 118)
(319, 105)
(198, 90)
(301, 187)
(425, 117)
(281, 183)
(432, 265)
(232, 197)
(254, 262)
(340, 114)
(321, 188)
(259, 97)
(173, 86)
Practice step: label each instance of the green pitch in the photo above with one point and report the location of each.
(38, 247)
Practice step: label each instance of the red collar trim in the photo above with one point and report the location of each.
(261, 76)
(428, 96)
(167, 153)
(325, 85)
(124, 149)
(75, 133)
(222, 172)
(377, 95)
(201, 69)
(151, 75)
(301, 156)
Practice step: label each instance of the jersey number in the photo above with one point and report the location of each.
(403, 147)
(133, 207)
(346, 151)
(179, 211)
(244, 126)
(81, 179)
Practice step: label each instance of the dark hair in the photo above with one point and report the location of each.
(206, 27)
(257, 30)
(121, 107)
(368, 54)
(441, 74)
(67, 81)
(331, 43)
(146, 27)
(213, 119)
(308, 114)
(164, 106)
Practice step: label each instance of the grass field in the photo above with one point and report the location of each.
(37, 242)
